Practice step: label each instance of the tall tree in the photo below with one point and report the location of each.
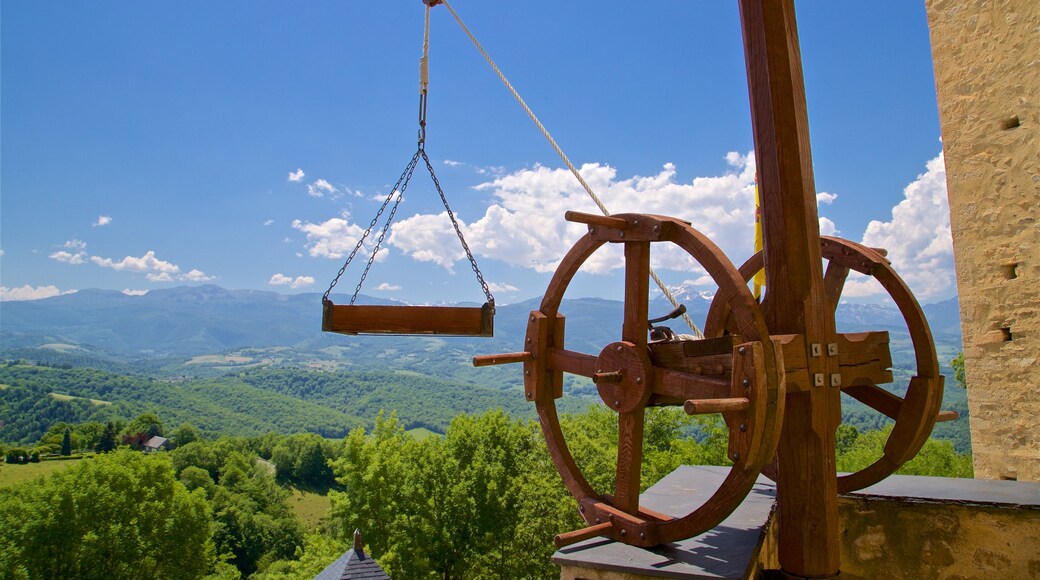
(107, 442)
(66, 443)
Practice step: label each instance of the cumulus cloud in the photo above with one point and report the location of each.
(824, 198)
(917, 238)
(296, 176)
(386, 287)
(154, 269)
(196, 276)
(524, 226)
(334, 238)
(320, 188)
(268, 222)
(28, 292)
(103, 220)
(503, 288)
(146, 263)
(451, 163)
(297, 282)
(75, 252)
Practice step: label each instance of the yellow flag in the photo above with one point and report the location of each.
(759, 280)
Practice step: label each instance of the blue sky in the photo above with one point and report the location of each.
(146, 145)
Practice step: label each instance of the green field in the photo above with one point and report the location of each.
(421, 433)
(310, 506)
(61, 397)
(14, 474)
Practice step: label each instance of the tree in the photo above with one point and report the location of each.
(958, 370)
(107, 441)
(66, 443)
(147, 424)
(121, 515)
(186, 433)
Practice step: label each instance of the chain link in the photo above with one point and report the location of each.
(458, 231)
(399, 187)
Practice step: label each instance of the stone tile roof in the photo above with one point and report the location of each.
(353, 565)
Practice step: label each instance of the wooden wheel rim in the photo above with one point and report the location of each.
(648, 528)
(924, 393)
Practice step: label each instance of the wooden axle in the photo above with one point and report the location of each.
(705, 406)
(487, 360)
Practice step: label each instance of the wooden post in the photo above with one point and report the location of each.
(795, 302)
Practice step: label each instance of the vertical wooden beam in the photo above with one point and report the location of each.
(634, 329)
(795, 301)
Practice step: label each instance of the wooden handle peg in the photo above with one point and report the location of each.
(704, 406)
(486, 360)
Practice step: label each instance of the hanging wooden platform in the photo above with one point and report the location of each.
(441, 320)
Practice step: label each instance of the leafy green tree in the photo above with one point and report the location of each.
(936, 458)
(186, 433)
(121, 515)
(147, 424)
(958, 370)
(197, 454)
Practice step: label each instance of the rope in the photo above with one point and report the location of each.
(559, 151)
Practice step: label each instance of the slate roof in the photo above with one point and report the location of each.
(353, 565)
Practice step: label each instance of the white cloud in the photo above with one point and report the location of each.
(27, 292)
(320, 188)
(296, 176)
(297, 282)
(824, 198)
(451, 163)
(917, 238)
(67, 258)
(103, 220)
(77, 255)
(386, 287)
(827, 227)
(268, 222)
(524, 226)
(146, 263)
(504, 288)
(130, 292)
(196, 276)
(334, 238)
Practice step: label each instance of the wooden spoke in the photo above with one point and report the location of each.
(637, 292)
(876, 398)
(834, 283)
(575, 363)
(629, 460)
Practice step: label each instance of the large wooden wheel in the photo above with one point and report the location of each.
(865, 358)
(746, 385)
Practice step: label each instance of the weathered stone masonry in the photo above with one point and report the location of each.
(987, 73)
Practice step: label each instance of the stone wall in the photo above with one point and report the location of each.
(987, 73)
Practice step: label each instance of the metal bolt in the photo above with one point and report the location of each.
(581, 508)
(642, 535)
(742, 350)
(532, 318)
(746, 382)
(622, 531)
(617, 403)
(528, 340)
(816, 349)
(592, 230)
(610, 517)
(635, 222)
(835, 380)
(639, 380)
(620, 348)
(657, 228)
(736, 457)
(832, 349)
(528, 394)
(622, 235)
(743, 427)
(818, 379)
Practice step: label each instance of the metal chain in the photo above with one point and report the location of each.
(458, 231)
(400, 186)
